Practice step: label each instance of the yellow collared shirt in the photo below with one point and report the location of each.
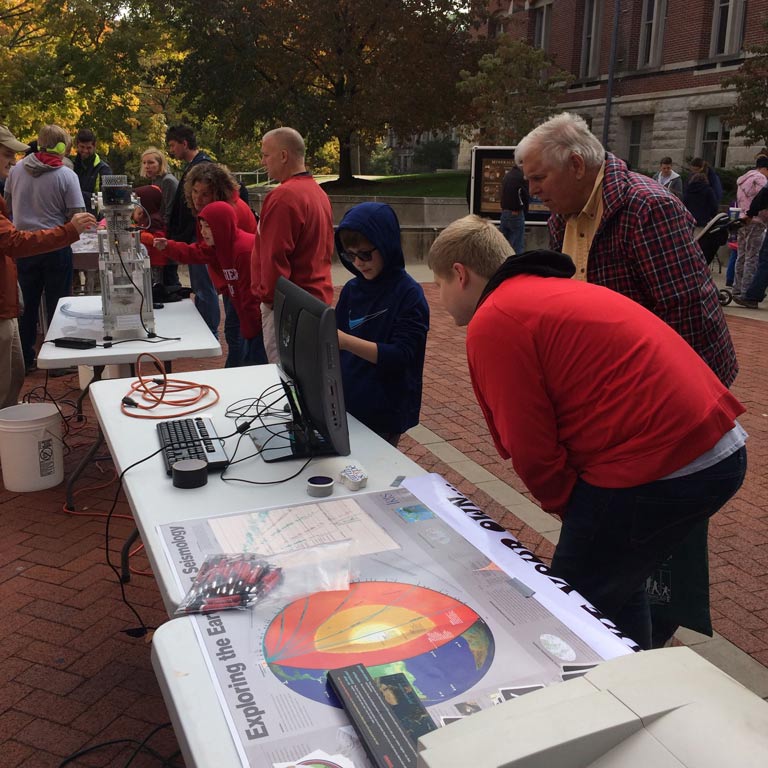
(580, 228)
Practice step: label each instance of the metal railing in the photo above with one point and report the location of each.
(244, 177)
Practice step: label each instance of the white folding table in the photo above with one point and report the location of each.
(81, 316)
(155, 501)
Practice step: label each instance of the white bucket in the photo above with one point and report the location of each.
(31, 451)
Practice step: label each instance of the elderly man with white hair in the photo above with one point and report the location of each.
(625, 232)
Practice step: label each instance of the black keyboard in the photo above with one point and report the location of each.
(193, 438)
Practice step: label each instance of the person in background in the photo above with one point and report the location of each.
(181, 225)
(699, 198)
(514, 206)
(611, 420)
(88, 166)
(154, 168)
(42, 193)
(205, 184)
(16, 244)
(295, 236)
(699, 165)
(383, 319)
(148, 216)
(668, 178)
(752, 230)
(755, 291)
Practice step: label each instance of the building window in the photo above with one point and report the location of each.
(715, 135)
(541, 14)
(651, 33)
(727, 27)
(635, 142)
(590, 39)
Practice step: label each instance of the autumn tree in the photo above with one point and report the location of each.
(330, 68)
(84, 63)
(513, 89)
(750, 112)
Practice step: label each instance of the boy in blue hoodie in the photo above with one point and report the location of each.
(383, 319)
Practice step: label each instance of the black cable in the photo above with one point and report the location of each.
(142, 747)
(140, 631)
(144, 743)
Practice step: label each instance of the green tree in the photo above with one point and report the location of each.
(512, 90)
(330, 68)
(750, 112)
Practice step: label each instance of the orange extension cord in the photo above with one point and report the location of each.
(165, 391)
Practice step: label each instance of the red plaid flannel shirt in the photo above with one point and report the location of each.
(644, 248)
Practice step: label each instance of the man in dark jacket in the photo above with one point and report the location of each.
(514, 206)
(182, 226)
(88, 166)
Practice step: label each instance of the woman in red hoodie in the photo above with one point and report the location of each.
(226, 249)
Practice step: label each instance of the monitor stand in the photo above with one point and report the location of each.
(287, 440)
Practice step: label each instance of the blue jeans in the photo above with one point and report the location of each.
(49, 272)
(730, 271)
(613, 538)
(757, 288)
(206, 298)
(512, 226)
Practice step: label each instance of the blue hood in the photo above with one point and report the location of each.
(378, 223)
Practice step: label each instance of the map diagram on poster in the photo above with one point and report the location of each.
(463, 630)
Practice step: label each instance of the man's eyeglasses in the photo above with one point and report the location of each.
(362, 255)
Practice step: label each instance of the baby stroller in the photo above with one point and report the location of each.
(713, 235)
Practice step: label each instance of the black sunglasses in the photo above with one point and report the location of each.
(362, 255)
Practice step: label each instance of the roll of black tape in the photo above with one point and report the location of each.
(190, 473)
(320, 485)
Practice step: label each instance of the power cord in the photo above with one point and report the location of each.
(141, 746)
(164, 391)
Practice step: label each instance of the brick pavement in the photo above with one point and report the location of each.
(71, 677)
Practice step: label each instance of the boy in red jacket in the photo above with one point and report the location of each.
(226, 249)
(610, 418)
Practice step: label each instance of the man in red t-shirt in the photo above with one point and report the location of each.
(295, 234)
(609, 417)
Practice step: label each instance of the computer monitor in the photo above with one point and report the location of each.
(308, 347)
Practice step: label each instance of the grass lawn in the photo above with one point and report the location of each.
(448, 184)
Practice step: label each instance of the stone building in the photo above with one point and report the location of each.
(670, 59)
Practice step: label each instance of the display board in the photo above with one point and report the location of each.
(488, 166)
(439, 594)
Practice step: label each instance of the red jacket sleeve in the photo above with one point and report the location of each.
(510, 388)
(188, 253)
(17, 243)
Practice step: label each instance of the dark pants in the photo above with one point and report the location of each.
(613, 538)
(49, 272)
(512, 226)
(757, 288)
(231, 332)
(206, 298)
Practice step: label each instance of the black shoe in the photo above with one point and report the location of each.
(747, 303)
(30, 367)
